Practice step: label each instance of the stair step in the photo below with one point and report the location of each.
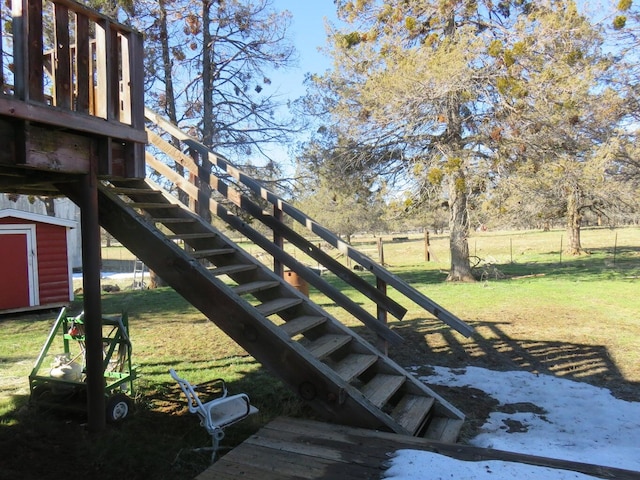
(327, 344)
(136, 191)
(302, 324)
(257, 286)
(191, 236)
(412, 411)
(212, 252)
(230, 269)
(167, 220)
(444, 429)
(354, 365)
(152, 205)
(277, 305)
(382, 387)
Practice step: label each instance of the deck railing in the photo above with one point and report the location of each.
(61, 54)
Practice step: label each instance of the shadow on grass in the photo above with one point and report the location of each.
(429, 342)
(156, 441)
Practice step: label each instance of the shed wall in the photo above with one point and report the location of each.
(54, 280)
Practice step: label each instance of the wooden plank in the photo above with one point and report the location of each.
(191, 236)
(172, 220)
(153, 205)
(277, 305)
(20, 48)
(124, 88)
(354, 365)
(35, 83)
(136, 65)
(282, 458)
(327, 344)
(212, 252)
(382, 387)
(256, 286)
(282, 463)
(101, 66)
(137, 191)
(14, 108)
(84, 81)
(412, 411)
(48, 149)
(444, 429)
(301, 324)
(62, 64)
(230, 269)
(232, 468)
(113, 72)
(364, 453)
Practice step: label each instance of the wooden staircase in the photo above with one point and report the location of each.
(343, 377)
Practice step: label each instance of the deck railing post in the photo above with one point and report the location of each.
(100, 97)
(278, 240)
(62, 58)
(84, 80)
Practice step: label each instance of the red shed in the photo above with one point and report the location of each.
(35, 267)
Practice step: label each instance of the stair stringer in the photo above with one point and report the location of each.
(317, 383)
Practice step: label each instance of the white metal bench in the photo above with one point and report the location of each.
(217, 414)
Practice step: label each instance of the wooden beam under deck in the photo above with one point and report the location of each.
(20, 110)
(35, 147)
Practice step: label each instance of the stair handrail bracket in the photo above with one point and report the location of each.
(382, 275)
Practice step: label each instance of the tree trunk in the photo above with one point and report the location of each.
(155, 281)
(574, 219)
(459, 230)
(49, 205)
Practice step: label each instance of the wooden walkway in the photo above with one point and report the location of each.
(290, 448)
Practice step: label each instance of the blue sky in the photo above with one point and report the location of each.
(308, 34)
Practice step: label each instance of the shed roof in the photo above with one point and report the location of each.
(35, 217)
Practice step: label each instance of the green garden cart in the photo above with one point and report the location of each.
(58, 377)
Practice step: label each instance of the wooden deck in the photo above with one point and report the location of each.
(302, 449)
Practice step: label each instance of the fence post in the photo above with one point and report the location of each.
(427, 253)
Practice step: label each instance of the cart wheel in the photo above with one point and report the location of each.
(118, 407)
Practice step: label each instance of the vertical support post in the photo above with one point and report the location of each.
(92, 301)
(193, 201)
(382, 344)
(204, 188)
(278, 240)
(380, 251)
(427, 252)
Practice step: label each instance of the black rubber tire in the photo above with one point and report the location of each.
(119, 406)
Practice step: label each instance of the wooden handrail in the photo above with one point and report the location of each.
(260, 240)
(244, 203)
(381, 273)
